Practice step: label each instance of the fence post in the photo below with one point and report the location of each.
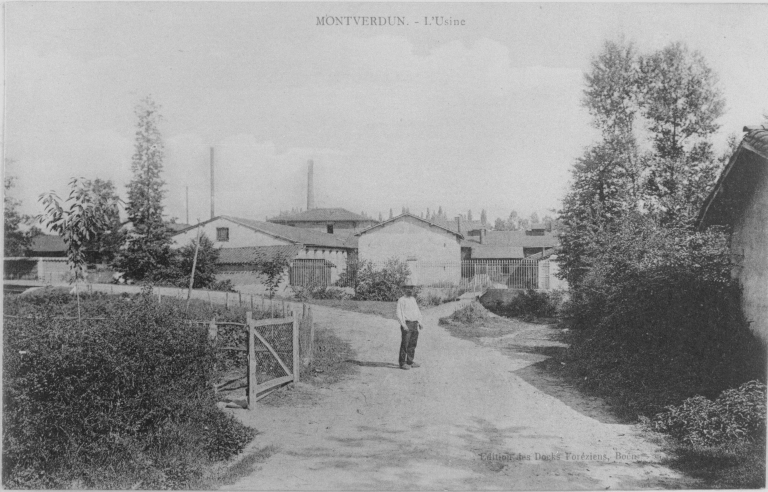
(311, 335)
(239, 299)
(251, 390)
(251, 302)
(226, 300)
(213, 330)
(296, 355)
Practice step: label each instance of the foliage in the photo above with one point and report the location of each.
(273, 271)
(316, 290)
(147, 247)
(736, 415)
(16, 241)
(105, 246)
(471, 313)
(371, 284)
(87, 217)
(531, 304)
(121, 402)
(657, 113)
(658, 318)
(178, 271)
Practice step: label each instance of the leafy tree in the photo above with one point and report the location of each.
(681, 101)
(16, 241)
(106, 245)
(147, 248)
(499, 225)
(272, 272)
(180, 268)
(534, 218)
(86, 216)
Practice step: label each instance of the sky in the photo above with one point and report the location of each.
(484, 115)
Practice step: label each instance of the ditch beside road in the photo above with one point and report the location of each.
(474, 415)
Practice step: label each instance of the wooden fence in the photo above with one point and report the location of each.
(276, 348)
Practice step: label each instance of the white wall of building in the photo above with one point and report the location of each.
(410, 239)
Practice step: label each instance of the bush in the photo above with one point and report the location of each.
(531, 304)
(737, 415)
(385, 284)
(658, 320)
(471, 313)
(109, 403)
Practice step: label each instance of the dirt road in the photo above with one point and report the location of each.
(466, 419)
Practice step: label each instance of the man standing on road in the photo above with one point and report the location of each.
(409, 316)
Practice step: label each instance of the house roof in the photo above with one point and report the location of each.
(176, 226)
(737, 180)
(405, 215)
(482, 251)
(519, 239)
(296, 235)
(48, 243)
(466, 225)
(255, 254)
(322, 215)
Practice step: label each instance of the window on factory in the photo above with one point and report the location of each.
(222, 234)
(329, 228)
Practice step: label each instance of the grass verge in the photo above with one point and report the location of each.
(385, 309)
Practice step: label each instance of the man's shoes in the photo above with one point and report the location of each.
(415, 365)
(405, 367)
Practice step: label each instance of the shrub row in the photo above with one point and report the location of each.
(109, 403)
(737, 415)
(658, 320)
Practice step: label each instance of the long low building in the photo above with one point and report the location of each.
(246, 244)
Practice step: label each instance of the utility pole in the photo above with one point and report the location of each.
(212, 212)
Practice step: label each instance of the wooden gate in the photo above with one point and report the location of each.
(273, 355)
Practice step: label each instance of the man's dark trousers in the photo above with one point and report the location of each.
(408, 342)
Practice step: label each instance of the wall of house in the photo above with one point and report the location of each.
(336, 256)
(749, 245)
(410, 239)
(250, 282)
(239, 236)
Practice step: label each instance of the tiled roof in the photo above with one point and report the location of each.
(482, 251)
(521, 239)
(176, 226)
(48, 243)
(322, 215)
(757, 139)
(307, 237)
(737, 181)
(466, 225)
(256, 254)
(394, 219)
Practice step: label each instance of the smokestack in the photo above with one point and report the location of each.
(212, 213)
(458, 224)
(310, 185)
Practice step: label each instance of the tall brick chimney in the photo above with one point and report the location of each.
(310, 185)
(458, 224)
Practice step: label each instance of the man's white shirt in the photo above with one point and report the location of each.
(407, 309)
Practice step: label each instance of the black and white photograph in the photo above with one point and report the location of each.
(384, 245)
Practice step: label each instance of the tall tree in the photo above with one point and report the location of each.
(79, 220)
(106, 244)
(483, 217)
(469, 214)
(147, 247)
(16, 241)
(681, 101)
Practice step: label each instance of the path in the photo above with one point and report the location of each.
(429, 428)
